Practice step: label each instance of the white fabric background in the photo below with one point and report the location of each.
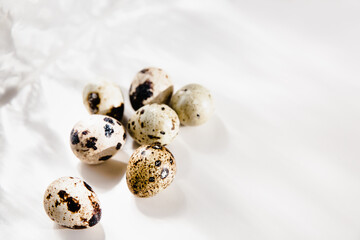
(279, 159)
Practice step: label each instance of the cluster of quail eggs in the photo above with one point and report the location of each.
(70, 201)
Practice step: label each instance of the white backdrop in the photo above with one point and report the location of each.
(278, 160)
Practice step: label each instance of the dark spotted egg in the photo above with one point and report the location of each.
(104, 98)
(150, 85)
(97, 138)
(72, 203)
(193, 103)
(154, 123)
(151, 169)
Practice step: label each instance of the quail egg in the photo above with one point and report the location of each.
(72, 203)
(150, 85)
(154, 123)
(104, 98)
(193, 103)
(97, 138)
(151, 169)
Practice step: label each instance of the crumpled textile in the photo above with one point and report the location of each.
(278, 160)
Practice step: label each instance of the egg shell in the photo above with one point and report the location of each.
(193, 103)
(154, 123)
(97, 138)
(150, 85)
(104, 98)
(151, 169)
(72, 203)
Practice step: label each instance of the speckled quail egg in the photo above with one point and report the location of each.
(154, 123)
(150, 85)
(97, 138)
(104, 98)
(151, 169)
(193, 103)
(72, 203)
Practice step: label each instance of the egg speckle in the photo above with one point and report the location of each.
(97, 138)
(193, 103)
(104, 98)
(151, 169)
(154, 123)
(150, 85)
(72, 203)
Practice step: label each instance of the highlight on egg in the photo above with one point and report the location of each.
(104, 97)
(150, 85)
(72, 203)
(97, 138)
(194, 104)
(151, 169)
(154, 123)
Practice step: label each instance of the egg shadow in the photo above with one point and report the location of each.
(169, 202)
(135, 145)
(211, 137)
(104, 176)
(128, 110)
(94, 233)
(121, 156)
(124, 121)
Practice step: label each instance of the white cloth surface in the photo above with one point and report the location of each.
(278, 160)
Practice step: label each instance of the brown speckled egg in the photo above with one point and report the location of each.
(150, 85)
(154, 123)
(72, 203)
(193, 103)
(151, 169)
(104, 98)
(97, 138)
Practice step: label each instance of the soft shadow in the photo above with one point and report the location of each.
(128, 110)
(124, 122)
(135, 145)
(104, 176)
(8, 95)
(121, 156)
(169, 202)
(211, 137)
(94, 233)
